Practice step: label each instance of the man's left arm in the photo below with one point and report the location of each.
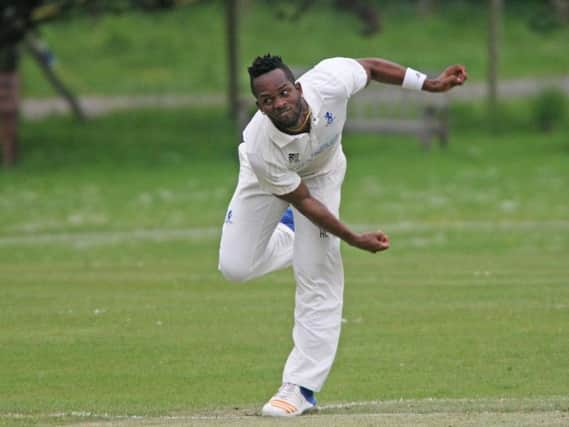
(384, 71)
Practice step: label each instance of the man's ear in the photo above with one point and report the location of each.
(298, 87)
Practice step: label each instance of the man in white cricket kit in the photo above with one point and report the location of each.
(292, 155)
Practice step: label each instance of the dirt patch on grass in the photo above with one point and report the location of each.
(557, 419)
(552, 412)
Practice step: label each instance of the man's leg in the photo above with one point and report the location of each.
(319, 275)
(253, 242)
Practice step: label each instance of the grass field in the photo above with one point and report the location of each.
(111, 308)
(183, 52)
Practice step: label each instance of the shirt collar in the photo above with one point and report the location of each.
(314, 102)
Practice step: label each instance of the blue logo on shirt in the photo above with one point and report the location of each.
(329, 117)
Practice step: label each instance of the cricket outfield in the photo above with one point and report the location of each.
(112, 310)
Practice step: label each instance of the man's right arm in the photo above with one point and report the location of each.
(319, 214)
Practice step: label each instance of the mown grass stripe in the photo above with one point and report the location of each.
(200, 233)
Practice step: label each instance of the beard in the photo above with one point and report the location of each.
(289, 118)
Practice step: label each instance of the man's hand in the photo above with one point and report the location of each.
(455, 75)
(371, 242)
(319, 214)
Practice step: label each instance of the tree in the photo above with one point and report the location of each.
(19, 21)
(364, 10)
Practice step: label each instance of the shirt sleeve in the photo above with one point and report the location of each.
(349, 75)
(273, 178)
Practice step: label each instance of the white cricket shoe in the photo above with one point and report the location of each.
(288, 402)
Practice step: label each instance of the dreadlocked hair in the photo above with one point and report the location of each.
(265, 64)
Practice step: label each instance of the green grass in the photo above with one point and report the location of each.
(184, 52)
(472, 301)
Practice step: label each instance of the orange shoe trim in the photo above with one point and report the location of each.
(286, 406)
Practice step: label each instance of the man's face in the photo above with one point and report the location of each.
(279, 98)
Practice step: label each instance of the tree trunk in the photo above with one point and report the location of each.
(561, 9)
(426, 7)
(493, 54)
(232, 57)
(9, 104)
(34, 48)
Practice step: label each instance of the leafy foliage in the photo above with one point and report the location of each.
(549, 109)
(17, 17)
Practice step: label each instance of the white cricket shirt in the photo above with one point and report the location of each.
(280, 160)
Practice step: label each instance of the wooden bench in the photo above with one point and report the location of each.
(384, 109)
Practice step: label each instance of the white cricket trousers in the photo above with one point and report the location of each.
(254, 243)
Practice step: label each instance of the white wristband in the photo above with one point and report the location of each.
(413, 79)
